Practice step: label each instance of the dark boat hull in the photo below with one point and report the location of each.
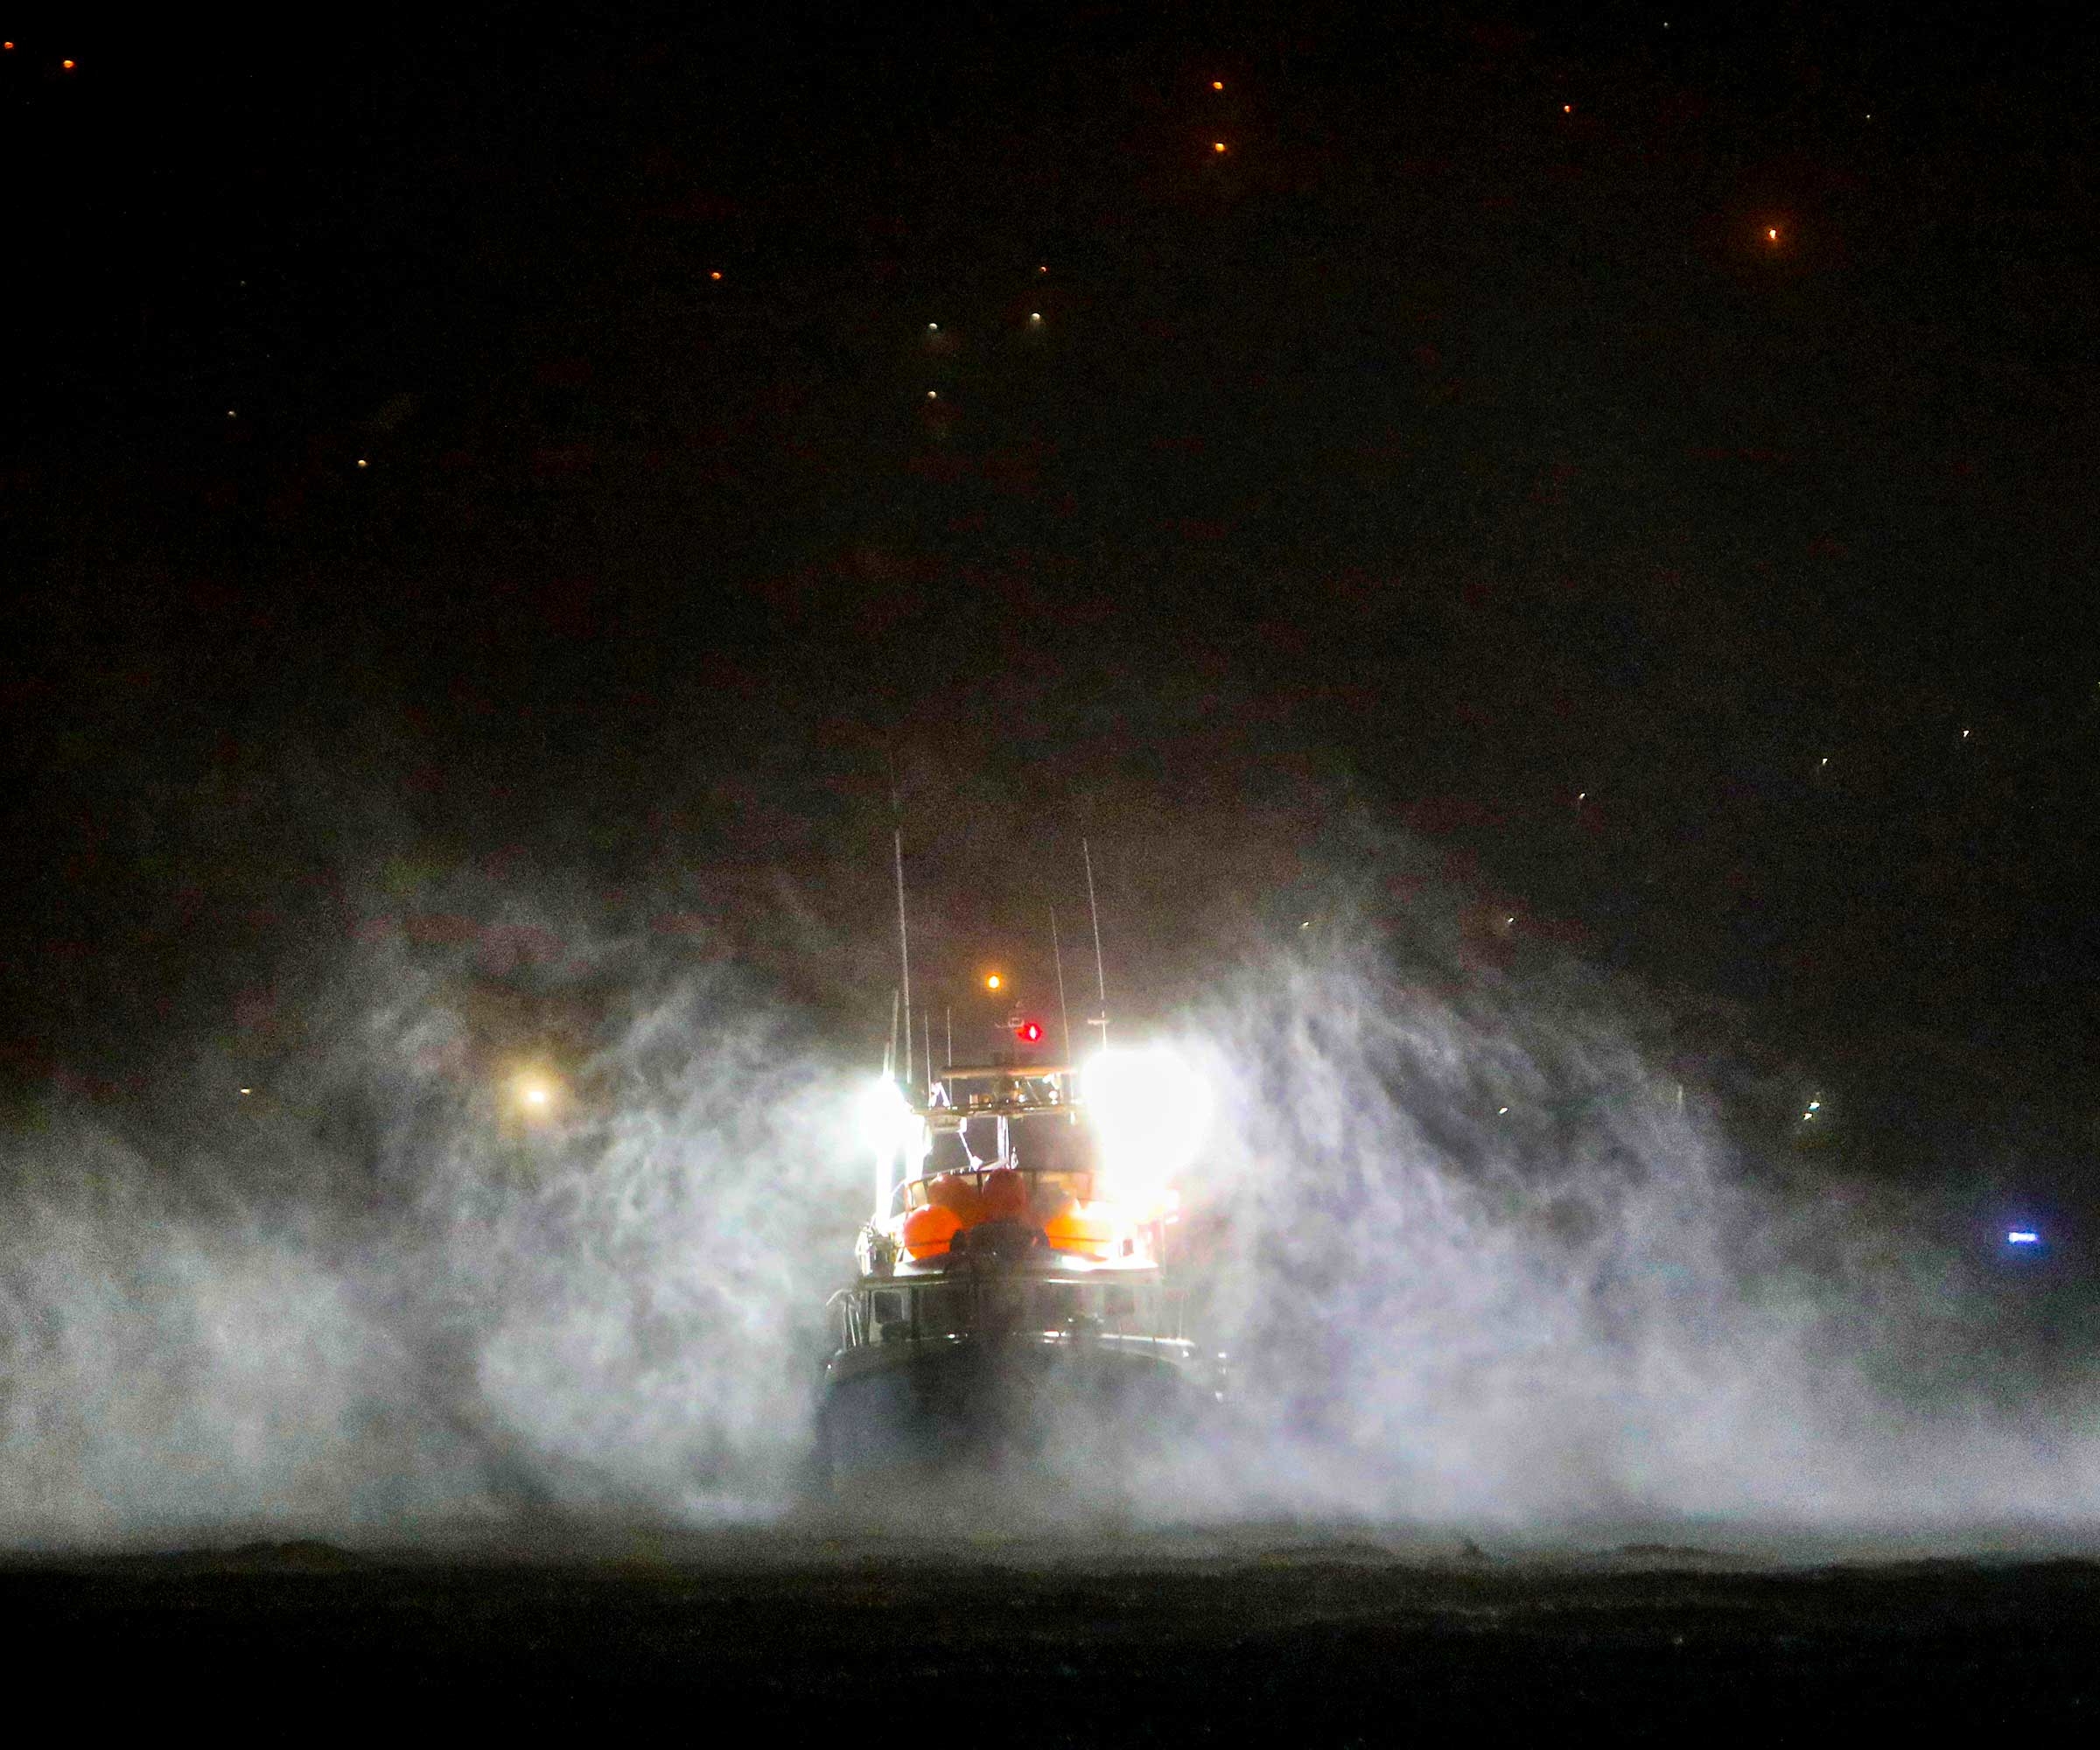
(1008, 1406)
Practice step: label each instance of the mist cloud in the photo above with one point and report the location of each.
(1475, 1258)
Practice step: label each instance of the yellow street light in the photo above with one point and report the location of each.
(535, 1093)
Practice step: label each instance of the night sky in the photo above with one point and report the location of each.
(1647, 454)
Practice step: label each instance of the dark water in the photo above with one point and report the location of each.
(1326, 1638)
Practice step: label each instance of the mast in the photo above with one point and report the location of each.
(1063, 1009)
(904, 944)
(1101, 979)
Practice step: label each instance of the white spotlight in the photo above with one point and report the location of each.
(1151, 1111)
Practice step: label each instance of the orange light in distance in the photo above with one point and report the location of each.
(992, 981)
(1217, 145)
(1771, 234)
(67, 65)
(716, 274)
(1215, 84)
(9, 47)
(1567, 109)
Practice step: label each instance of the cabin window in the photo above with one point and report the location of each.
(947, 1154)
(1053, 1141)
(1056, 1304)
(943, 1310)
(890, 1315)
(1003, 1305)
(1048, 1193)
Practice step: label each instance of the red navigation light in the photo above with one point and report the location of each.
(1029, 1033)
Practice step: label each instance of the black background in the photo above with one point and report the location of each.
(1439, 454)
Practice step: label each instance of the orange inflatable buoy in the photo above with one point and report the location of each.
(958, 1192)
(1004, 1196)
(1088, 1229)
(929, 1231)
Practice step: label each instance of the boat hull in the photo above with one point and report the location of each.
(1008, 1406)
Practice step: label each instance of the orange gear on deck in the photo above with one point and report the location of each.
(927, 1232)
(958, 1192)
(1086, 1228)
(1004, 1196)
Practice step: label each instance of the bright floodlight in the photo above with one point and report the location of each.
(888, 1127)
(2023, 1236)
(883, 1113)
(1150, 1110)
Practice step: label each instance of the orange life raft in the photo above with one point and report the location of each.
(958, 1201)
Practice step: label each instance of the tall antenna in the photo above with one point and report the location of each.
(926, 1020)
(1101, 978)
(1057, 954)
(951, 1033)
(889, 1057)
(904, 938)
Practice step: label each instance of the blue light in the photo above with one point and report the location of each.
(2023, 1236)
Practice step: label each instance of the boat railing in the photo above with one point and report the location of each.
(848, 1312)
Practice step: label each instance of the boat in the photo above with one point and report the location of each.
(1013, 1307)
